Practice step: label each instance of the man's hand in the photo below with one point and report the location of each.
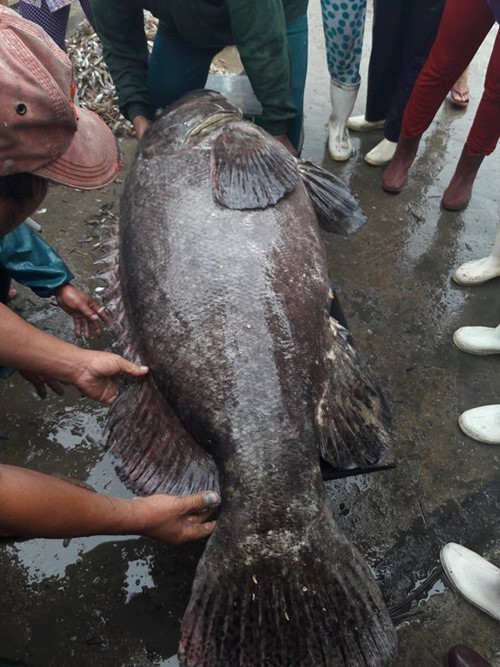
(283, 139)
(41, 383)
(141, 124)
(96, 375)
(177, 519)
(36, 505)
(85, 312)
(28, 349)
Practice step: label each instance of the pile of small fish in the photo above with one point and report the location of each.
(95, 87)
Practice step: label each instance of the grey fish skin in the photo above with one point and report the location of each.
(229, 308)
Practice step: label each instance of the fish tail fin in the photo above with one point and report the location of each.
(336, 206)
(313, 604)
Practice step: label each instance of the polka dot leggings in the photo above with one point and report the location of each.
(54, 23)
(343, 25)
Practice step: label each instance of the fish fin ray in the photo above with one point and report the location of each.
(352, 416)
(336, 206)
(249, 170)
(321, 607)
(112, 295)
(154, 453)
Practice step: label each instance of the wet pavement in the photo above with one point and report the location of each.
(102, 602)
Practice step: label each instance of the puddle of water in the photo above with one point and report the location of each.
(49, 559)
(138, 577)
(171, 662)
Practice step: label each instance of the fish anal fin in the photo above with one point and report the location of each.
(352, 417)
(154, 453)
(250, 170)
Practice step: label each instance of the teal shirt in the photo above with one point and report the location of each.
(256, 27)
(27, 258)
(30, 260)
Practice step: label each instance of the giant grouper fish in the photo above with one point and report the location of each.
(223, 292)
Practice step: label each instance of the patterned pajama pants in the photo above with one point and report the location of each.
(343, 25)
(54, 23)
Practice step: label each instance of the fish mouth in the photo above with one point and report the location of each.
(211, 122)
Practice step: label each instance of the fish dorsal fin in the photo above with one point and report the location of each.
(249, 169)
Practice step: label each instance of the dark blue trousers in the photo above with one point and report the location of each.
(403, 34)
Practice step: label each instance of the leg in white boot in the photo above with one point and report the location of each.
(344, 43)
(480, 270)
(472, 576)
(382, 154)
(343, 96)
(478, 340)
(482, 424)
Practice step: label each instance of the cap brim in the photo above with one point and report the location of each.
(92, 160)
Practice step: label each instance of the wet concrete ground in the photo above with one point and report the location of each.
(102, 602)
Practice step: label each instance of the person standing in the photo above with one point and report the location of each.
(53, 16)
(43, 136)
(403, 34)
(465, 23)
(343, 27)
(28, 258)
(272, 42)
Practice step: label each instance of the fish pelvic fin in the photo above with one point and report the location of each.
(154, 453)
(314, 605)
(336, 206)
(352, 417)
(249, 169)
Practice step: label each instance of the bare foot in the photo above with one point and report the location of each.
(460, 93)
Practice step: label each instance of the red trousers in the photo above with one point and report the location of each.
(463, 27)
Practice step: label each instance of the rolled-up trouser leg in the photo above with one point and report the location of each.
(420, 32)
(463, 27)
(485, 131)
(343, 26)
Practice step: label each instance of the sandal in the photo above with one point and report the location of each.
(459, 98)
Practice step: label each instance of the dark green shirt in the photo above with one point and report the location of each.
(256, 27)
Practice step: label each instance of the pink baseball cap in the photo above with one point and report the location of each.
(41, 130)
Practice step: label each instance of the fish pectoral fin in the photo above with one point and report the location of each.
(352, 418)
(336, 206)
(155, 454)
(250, 169)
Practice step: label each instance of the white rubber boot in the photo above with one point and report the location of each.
(482, 424)
(480, 270)
(472, 576)
(343, 96)
(360, 124)
(382, 153)
(478, 340)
